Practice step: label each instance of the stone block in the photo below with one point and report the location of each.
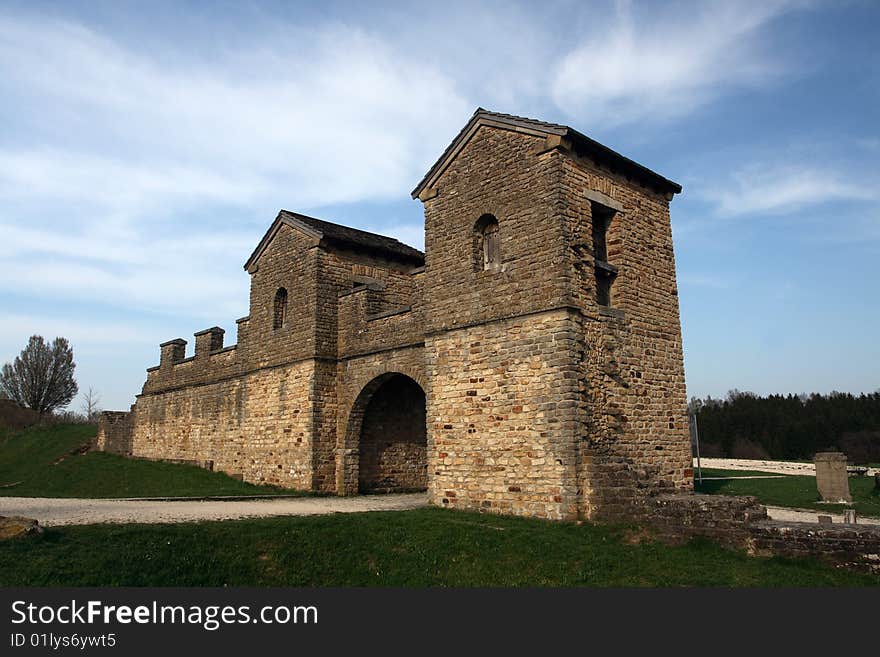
(832, 480)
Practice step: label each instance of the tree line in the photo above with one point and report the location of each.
(745, 425)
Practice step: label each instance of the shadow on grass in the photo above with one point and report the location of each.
(423, 547)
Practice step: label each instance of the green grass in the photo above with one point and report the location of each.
(790, 490)
(40, 459)
(425, 547)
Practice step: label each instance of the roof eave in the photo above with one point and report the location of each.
(483, 117)
(662, 183)
(290, 218)
(283, 217)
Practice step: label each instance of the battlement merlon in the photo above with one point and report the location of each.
(172, 352)
(208, 341)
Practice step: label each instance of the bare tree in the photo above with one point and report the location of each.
(91, 405)
(41, 378)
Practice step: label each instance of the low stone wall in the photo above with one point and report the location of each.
(115, 432)
(850, 546)
(725, 519)
(742, 523)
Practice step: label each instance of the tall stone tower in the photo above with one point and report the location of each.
(555, 381)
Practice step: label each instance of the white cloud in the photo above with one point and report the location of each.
(668, 65)
(113, 184)
(320, 122)
(779, 189)
(195, 275)
(137, 181)
(16, 328)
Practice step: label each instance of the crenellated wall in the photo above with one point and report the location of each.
(257, 425)
(251, 408)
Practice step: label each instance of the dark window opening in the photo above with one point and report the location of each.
(280, 309)
(603, 287)
(601, 222)
(605, 271)
(487, 243)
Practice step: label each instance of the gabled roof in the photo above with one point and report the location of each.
(581, 143)
(335, 234)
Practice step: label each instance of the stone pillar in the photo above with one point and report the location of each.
(347, 461)
(831, 477)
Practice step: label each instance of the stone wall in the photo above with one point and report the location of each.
(722, 518)
(742, 523)
(502, 413)
(115, 433)
(258, 425)
(850, 546)
(636, 430)
(497, 173)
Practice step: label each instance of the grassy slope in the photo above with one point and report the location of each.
(32, 458)
(426, 547)
(791, 490)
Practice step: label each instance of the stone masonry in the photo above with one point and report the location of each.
(528, 363)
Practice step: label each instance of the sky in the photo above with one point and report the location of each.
(146, 147)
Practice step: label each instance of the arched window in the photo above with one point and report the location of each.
(280, 309)
(487, 243)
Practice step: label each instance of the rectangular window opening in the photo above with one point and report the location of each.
(605, 272)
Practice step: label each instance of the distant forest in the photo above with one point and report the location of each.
(789, 427)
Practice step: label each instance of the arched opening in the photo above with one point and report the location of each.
(487, 243)
(391, 435)
(280, 309)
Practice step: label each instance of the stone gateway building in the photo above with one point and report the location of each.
(528, 363)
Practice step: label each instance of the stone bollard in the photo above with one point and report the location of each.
(849, 517)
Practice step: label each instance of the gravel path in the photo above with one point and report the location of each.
(52, 512)
(780, 467)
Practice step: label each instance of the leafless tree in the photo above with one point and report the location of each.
(91, 405)
(41, 377)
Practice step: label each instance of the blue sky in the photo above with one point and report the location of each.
(145, 148)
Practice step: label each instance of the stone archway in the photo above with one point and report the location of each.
(386, 437)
